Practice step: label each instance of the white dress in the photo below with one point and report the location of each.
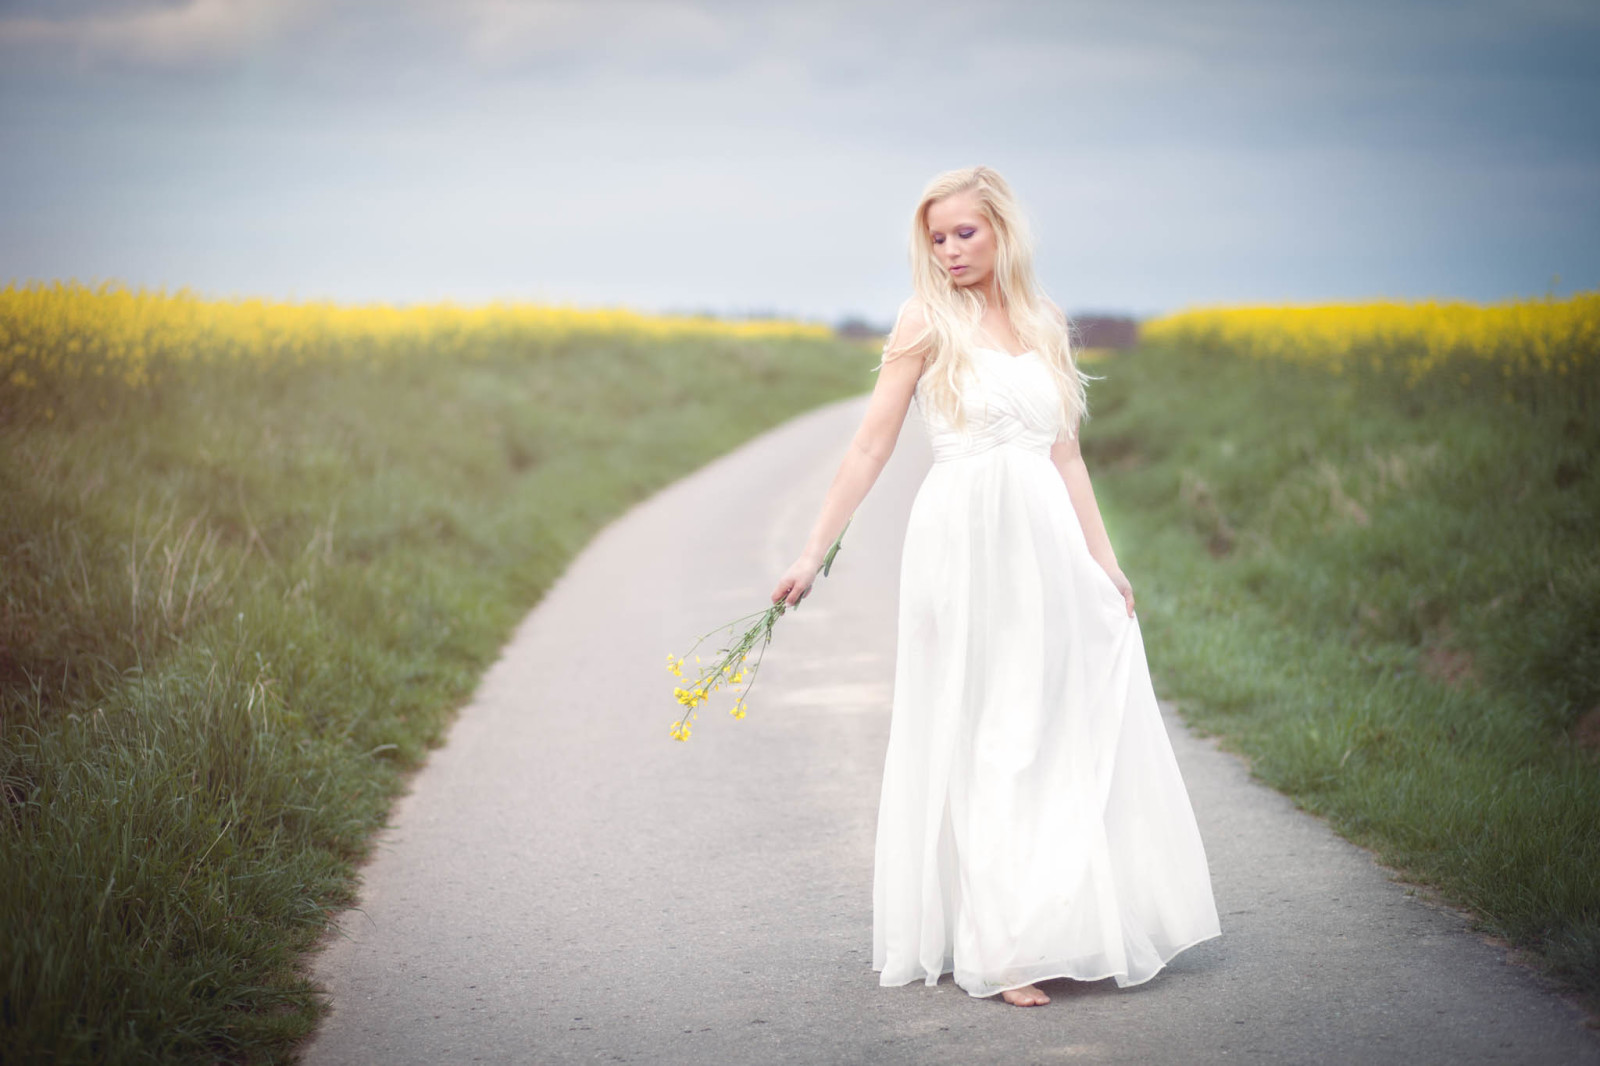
(1033, 822)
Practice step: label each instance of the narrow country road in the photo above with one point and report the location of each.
(565, 883)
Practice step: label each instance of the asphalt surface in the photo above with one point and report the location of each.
(565, 883)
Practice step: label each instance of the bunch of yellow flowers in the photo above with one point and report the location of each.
(731, 665)
(709, 681)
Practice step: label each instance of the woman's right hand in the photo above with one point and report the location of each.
(795, 585)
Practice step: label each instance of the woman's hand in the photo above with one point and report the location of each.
(795, 585)
(1124, 586)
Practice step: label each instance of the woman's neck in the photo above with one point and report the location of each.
(990, 288)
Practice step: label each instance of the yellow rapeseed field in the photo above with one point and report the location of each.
(1518, 350)
(60, 336)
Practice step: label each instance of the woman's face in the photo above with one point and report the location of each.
(963, 241)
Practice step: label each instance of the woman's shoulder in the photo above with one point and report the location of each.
(910, 326)
(912, 314)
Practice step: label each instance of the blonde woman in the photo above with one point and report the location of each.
(1033, 823)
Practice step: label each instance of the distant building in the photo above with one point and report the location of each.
(1105, 331)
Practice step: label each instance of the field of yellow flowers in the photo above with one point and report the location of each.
(1365, 539)
(253, 557)
(1536, 352)
(62, 341)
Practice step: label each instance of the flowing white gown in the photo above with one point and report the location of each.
(1033, 822)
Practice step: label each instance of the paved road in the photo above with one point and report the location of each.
(565, 883)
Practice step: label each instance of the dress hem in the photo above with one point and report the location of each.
(1055, 976)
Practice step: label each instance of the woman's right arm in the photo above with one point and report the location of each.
(869, 450)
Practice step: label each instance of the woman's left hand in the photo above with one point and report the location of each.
(1124, 586)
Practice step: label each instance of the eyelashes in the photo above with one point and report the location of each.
(963, 234)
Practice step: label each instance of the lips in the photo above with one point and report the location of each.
(958, 269)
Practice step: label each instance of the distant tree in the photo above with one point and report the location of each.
(857, 328)
(1093, 330)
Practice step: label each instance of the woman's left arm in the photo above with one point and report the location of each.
(1069, 461)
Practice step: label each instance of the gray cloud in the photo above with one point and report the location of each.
(198, 34)
(744, 155)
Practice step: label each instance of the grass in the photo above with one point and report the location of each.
(1386, 601)
(236, 609)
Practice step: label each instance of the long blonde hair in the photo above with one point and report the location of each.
(952, 313)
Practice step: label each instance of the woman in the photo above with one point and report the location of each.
(1033, 823)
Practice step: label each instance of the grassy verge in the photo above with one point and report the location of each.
(1388, 605)
(236, 608)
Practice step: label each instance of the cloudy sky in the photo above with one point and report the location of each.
(742, 156)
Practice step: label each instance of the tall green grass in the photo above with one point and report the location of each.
(1387, 600)
(237, 608)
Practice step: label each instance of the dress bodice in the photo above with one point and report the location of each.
(1008, 400)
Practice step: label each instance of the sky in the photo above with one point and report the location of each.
(743, 157)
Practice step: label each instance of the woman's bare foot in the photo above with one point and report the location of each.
(1026, 996)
